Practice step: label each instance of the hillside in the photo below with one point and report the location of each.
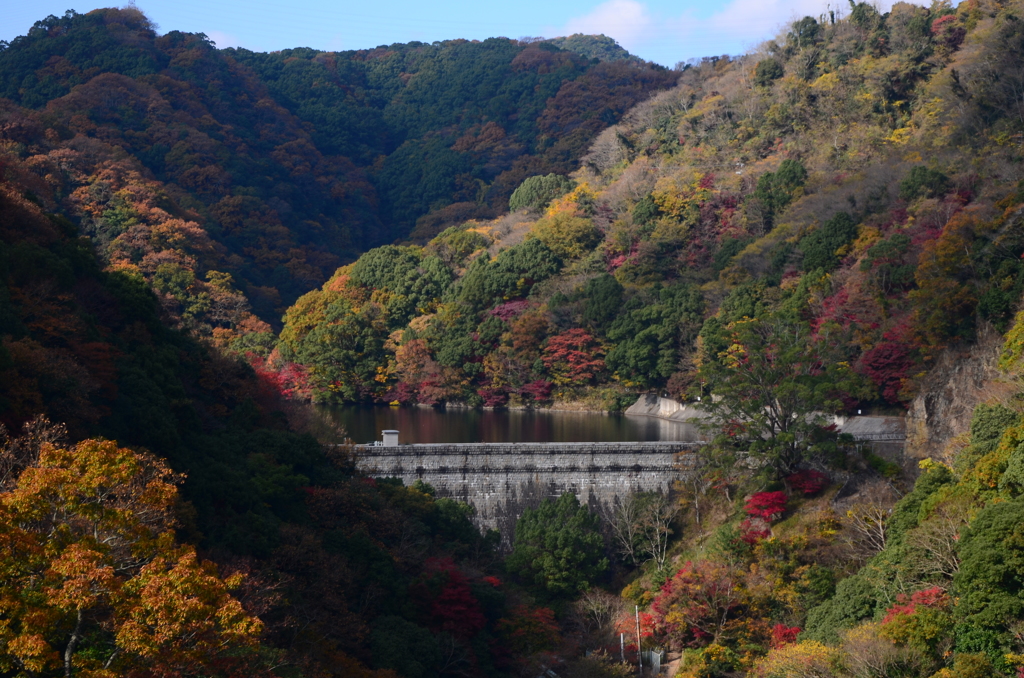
(164, 511)
(800, 231)
(806, 228)
(164, 508)
(858, 173)
(290, 163)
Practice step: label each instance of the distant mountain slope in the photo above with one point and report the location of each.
(599, 47)
(452, 128)
(293, 162)
(857, 173)
(280, 214)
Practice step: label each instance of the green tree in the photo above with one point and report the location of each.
(990, 583)
(602, 301)
(567, 236)
(767, 71)
(649, 334)
(772, 386)
(510, 275)
(988, 423)
(537, 192)
(923, 181)
(854, 601)
(775, 190)
(415, 281)
(456, 243)
(558, 547)
(645, 210)
(820, 247)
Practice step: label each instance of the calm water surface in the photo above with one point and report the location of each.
(429, 425)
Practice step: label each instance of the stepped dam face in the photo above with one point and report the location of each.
(501, 480)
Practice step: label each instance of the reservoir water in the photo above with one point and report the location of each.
(430, 425)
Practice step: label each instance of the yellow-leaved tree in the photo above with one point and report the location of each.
(92, 581)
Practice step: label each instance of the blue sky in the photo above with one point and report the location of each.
(664, 31)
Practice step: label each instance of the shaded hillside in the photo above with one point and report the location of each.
(451, 128)
(294, 162)
(856, 176)
(200, 130)
(319, 572)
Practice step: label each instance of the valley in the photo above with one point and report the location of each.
(220, 267)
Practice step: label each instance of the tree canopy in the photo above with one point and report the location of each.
(558, 547)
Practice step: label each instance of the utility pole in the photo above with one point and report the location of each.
(639, 655)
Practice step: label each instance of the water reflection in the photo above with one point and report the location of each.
(428, 425)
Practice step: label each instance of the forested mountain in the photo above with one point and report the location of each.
(291, 163)
(452, 128)
(798, 231)
(172, 449)
(158, 205)
(859, 173)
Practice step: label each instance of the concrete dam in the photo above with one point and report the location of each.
(500, 480)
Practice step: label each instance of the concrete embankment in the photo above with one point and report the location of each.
(885, 435)
(651, 405)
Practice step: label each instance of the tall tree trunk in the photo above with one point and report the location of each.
(69, 651)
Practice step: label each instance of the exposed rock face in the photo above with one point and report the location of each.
(962, 377)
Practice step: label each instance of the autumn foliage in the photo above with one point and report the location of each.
(807, 482)
(93, 580)
(698, 604)
(768, 506)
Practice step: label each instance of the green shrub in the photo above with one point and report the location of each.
(767, 71)
(854, 601)
(882, 466)
(558, 548)
(990, 583)
(775, 190)
(922, 181)
(987, 426)
(645, 210)
(537, 192)
(820, 247)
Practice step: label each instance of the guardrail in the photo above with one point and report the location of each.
(880, 436)
(520, 449)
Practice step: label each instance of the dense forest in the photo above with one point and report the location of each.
(282, 166)
(800, 231)
(858, 175)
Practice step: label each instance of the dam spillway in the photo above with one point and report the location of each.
(500, 480)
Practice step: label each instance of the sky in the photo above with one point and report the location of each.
(663, 31)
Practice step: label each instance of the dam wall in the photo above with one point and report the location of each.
(500, 480)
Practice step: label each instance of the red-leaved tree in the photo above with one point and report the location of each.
(573, 357)
(766, 505)
(807, 482)
(696, 606)
(784, 635)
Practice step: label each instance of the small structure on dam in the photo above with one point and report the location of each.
(500, 480)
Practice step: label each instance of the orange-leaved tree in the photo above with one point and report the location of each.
(92, 582)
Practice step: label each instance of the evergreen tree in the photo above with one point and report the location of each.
(558, 547)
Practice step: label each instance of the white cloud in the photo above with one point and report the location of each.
(732, 27)
(223, 40)
(755, 20)
(666, 39)
(628, 21)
